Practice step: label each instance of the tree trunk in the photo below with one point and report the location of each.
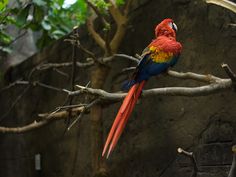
(98, 78)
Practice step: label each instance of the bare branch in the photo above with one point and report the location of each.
(96, 10)
(232, 172)
(192, 158)
(224, 3)
(198, 77)
(224, 84)
(99, 40)
(18, 82)
(121, 22)
(46, 66)
(229, 72)
(86, 107)
(127, 57)
(48, 118)
(215, 85)
(127, 7)
(66, 64)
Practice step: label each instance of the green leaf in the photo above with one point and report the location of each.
(22, 17)
(101, 5)
(120, 2)
(58, 34)
(38, 14)
(46, 25)
(3, 4)
(5, 49)
(40, 2)
(34, 26)
(44, 40)
(5, 38)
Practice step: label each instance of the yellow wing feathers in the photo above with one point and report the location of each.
(160, 56)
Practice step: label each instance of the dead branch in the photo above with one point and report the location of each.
(194, 76)
(230, 73)
(90, 62)
(86, 107)
(192, 158)
(18, 82)
(224, 3)
(215, 85)
(46, 118)
(232, 172)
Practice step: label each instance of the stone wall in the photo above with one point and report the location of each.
(158, 126)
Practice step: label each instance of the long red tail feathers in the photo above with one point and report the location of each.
(122, 117)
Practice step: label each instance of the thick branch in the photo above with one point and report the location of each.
(168, 91)
(96, 10)
(215, 85)
(121, 22)
(224, 3)
(99, 40)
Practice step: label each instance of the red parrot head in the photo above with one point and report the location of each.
(166, 28)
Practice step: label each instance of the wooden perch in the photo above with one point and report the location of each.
(215, 85)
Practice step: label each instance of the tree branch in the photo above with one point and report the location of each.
(168, 91)
(232, 172)
(224, 3)
(47, 118)
(99, 40)
(121, 22)
(192, 158)
(215, 85)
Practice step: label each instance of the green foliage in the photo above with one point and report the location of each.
(48, 17)
(101, 5)
(120, 2)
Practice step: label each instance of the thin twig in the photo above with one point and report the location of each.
(127, 57)
(232, 171)
(48, 118)
(82, 113)
(229, 72)
(19, 97)
(192, 158)
(18, 82)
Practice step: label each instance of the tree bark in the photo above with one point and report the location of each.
(98, 78)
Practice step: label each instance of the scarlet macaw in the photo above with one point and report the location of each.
(163, 52)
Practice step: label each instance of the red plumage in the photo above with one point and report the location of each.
(161, 53)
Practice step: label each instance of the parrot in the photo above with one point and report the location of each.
(163, 52)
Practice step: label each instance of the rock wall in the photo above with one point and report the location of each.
(158, 126)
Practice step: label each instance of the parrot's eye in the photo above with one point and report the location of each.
(173, 26)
